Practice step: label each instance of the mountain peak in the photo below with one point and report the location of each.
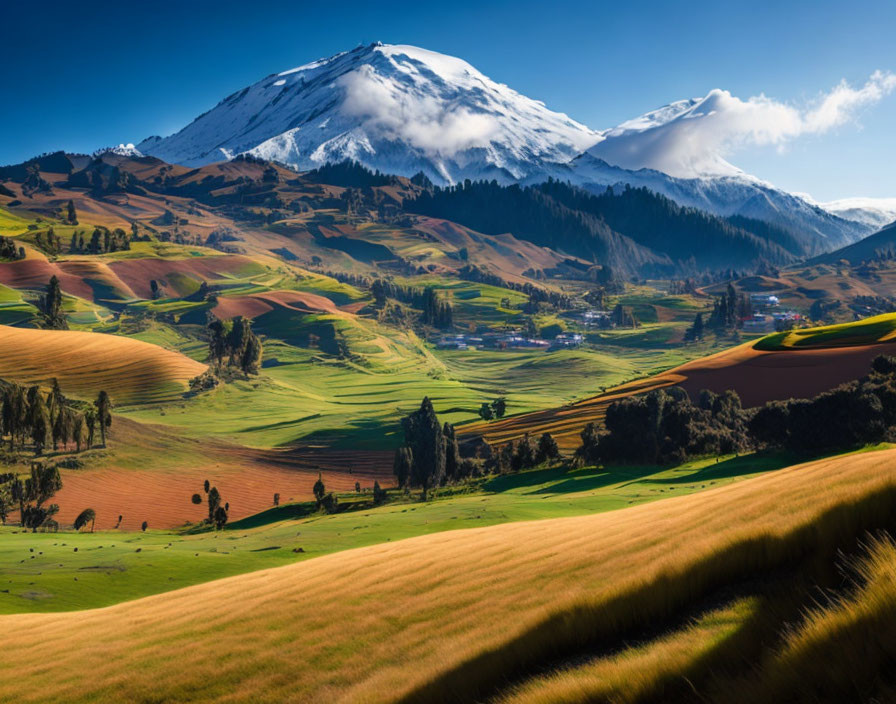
(396, 108)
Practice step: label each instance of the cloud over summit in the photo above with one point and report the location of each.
(693, 137)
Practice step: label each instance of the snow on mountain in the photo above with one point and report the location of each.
(666, 140)
(402, 110)
(399, 109)
(120, 150)
(874, 212)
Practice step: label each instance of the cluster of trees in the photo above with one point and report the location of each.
(437, 310)
(624, 317)
(729, 310)
(29, 415)
(430, 456)
(384, 289)
(101, 241)
(525, 453)
(665, 426)
(48, 241)
(8, 249)
(233, 344)
(218, 510)
(326, 500)
(495, 409)
(350, 174)
(852, 415)
(31, 496)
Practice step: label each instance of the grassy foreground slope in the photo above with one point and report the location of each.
(110, 566)
(84, 363)
(472, 610)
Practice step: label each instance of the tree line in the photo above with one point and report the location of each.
(8, 249)
(31, 417)
(431, 457)
(665, 426)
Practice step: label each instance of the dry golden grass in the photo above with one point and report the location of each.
(636, 673)
(85, 362)
(445, 617)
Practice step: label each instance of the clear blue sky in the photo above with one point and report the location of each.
(81, 75)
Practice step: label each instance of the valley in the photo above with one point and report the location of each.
(380, 381)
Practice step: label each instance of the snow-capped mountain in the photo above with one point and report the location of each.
(403, 110)
(399, 109)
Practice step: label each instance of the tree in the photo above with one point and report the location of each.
(41, 486)
(379, 494)
(214, 503)
(71, 213)
(51, 306)
(423, 435)
(276, 499)
(90, 425)
(452, 452)
(357, 487)
(196, 499)
(143, 526)
(319, 489)
(206, 486)
(103, 413)
(39, 420)
(401, 466)
(547, 449)
(78, 430)
(87, 515)
(486, 412)
(697, 330)
(220, 517)
(499, 407)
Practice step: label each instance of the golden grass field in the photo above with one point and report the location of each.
(85, 363)
(453, 616)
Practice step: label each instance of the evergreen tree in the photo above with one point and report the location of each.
(423, 435)
(103, 413)
(319, 490)
(51, 306)
(71, 213)
(214, 503)
(401, 467)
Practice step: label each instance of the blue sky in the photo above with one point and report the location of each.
(88, 74)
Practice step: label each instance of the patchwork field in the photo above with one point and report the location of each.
(476, 610)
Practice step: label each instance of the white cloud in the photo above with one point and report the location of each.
(422, 120)
(693, 137)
